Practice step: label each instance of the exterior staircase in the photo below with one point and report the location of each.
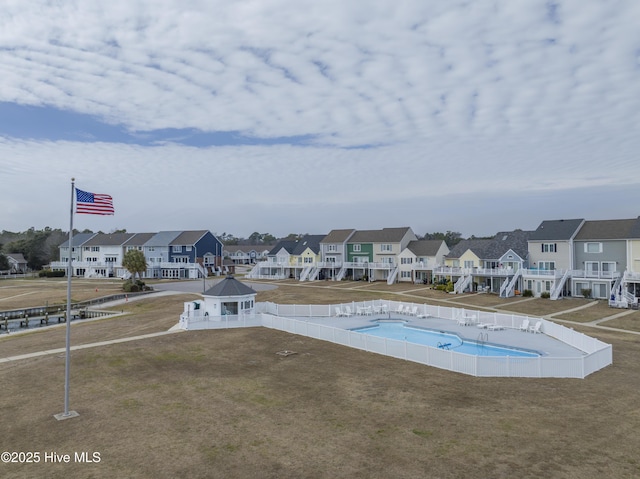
(463, 283)
(305, 272)
(341, 273)
(508, 287)
(392, 276)
(313, 275)
(556, 290)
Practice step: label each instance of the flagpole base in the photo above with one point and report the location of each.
(62, 416)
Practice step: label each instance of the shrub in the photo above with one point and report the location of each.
(527, 293)
(586, 292)
(133, 287)
(545, 294)
(449, 287)
(51, 274)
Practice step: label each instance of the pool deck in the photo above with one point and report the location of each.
(538, 342)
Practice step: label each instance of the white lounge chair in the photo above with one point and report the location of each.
(536, 328)
(347, 311)
(495, 327)
(338, 311)
(525, 325)
(400, 309)
(414, 311)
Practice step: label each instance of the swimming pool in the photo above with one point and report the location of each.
(399, 331)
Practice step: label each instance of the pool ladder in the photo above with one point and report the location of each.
(483, 338)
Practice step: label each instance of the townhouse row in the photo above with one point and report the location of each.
(169, 254)
(561, 258)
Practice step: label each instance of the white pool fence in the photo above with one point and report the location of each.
(290, 318)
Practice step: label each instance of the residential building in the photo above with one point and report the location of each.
(169, 254)
(418, 260)
(551, 257)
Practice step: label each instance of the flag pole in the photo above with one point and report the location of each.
(68, 414)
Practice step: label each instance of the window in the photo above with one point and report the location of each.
(177, 249)
(547, 265)
(405, 274)
(95, 248)
(592, 267)
(406, 260)
(189, 248)
(468, 264)
(593, 247)
(549, 248)
(356, 247)
(308, 259)
(386, 247)
(332, 247)
(608, 267)
(599, 290)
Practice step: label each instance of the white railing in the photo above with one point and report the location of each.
(631, 276)
(197, 320)
(392, 276)
(509, 285)
(452, 270)
(462, 283)
(545, 273)
(286, 317)
(597, 354)
(305, 272)
(315, 271)
(581, 273)
(558, 285)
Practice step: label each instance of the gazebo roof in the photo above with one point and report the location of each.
(230, 287)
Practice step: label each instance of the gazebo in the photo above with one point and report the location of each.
(229, 297)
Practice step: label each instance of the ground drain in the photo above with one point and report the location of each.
(285, 353)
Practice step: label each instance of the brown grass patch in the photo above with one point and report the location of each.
(596, 310)
(225, 404)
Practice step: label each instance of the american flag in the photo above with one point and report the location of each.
(93, 203)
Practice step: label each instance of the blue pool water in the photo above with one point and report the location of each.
(435, 339)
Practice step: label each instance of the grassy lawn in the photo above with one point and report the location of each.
(225, 404)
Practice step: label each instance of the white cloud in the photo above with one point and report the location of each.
(484, 98)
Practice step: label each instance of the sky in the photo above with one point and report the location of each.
(298, 116)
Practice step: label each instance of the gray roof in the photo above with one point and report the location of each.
(425, 247)
(337, 236)
(78, 239)
(230, 287)
(139, 239)
(296, 247)
(288, 245)
(16, 257)
(163, 238)
(385, 235)
(188, 238)
(113, 239)
(635, 230)
(247, 248)
(494, 248)
(557, 230)
(608, 229)
(478, 246)
(517, 241)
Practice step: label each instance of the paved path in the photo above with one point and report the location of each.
(86, 346)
